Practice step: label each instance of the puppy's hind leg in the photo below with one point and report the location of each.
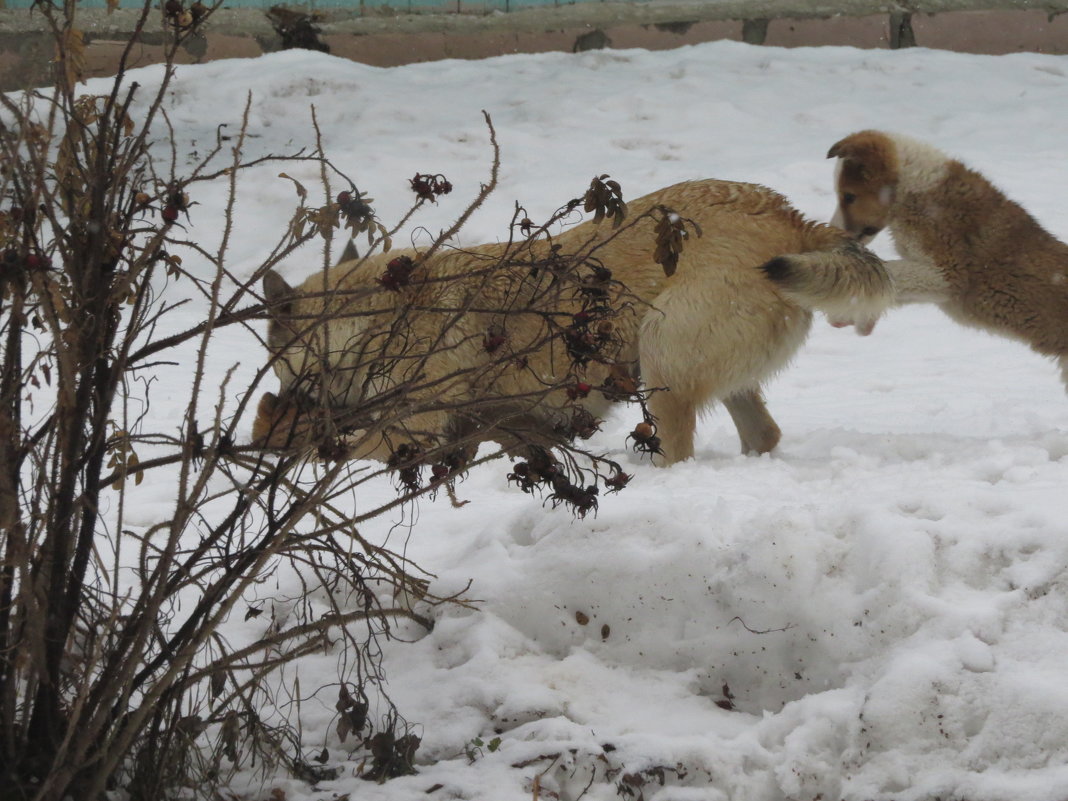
(757, 430)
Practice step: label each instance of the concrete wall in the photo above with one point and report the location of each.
(383, 37)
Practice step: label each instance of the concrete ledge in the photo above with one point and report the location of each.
(384, 39)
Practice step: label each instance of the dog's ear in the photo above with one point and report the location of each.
(350, 253)
(281, 301)
(278, 294)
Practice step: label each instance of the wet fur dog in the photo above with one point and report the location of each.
(713, 331)
(963, 245)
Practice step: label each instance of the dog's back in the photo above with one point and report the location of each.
(713, 330)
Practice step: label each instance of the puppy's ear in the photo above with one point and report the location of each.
(868, 156)
(838, 149)
(278, 294)
(855, 153)
(860, 146)
(870, 153)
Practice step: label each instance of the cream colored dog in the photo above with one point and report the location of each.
(713, 331)
(964, 245)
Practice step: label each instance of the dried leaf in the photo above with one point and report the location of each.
(70, 53)
(131, 463)
(229, 735)
(344, 700)
(192, 725)
(218, 683)
(605, 199)
(325, 220)
(119, 483)
(670, 236)
(301, 191)
(297, 226)
(344, 726)
(37, 133)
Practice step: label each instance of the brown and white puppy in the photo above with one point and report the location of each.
(964, 245)
(713, 331)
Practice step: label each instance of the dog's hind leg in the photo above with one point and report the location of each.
(756, 429)
(676, 421)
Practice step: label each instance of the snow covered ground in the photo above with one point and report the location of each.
(878, 610)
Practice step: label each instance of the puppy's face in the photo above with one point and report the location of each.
(865, 182)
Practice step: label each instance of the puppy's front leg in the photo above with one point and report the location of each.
(917, 281)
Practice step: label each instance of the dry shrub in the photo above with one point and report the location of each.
(115, 668)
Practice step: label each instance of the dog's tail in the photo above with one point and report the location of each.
(846, 281)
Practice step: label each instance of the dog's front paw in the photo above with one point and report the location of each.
(281, 424)
(864, 326)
